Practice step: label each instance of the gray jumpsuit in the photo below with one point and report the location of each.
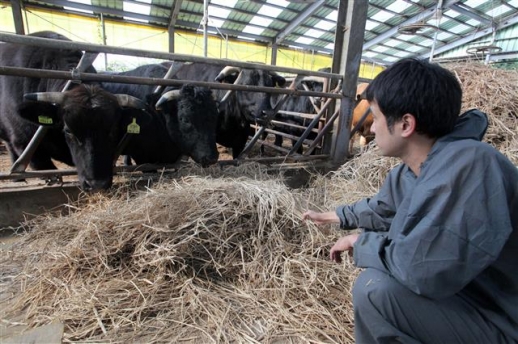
(440, 251)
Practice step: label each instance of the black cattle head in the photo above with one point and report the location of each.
(191, 115)
(254, 106)
(90, 119)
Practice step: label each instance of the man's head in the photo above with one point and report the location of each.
(428, 92)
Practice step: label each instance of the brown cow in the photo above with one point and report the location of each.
(361, 108)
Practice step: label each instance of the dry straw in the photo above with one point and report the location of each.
(495, 92)
(195, 259)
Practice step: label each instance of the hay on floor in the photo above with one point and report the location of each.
(210, 260)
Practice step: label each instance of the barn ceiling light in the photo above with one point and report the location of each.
(412, 29)
(484, 50)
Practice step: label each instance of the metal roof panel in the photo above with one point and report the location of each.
(459, 20)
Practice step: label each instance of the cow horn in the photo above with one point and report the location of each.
(48, 97)
(314, 78)
(125, 100)
(226, 72)
(361, 96)
(168, 96)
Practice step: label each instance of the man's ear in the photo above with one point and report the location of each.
(408, 125)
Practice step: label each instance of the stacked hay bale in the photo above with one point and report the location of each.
(495, 92)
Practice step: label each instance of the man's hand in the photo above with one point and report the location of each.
(345, 243)
(321, 218)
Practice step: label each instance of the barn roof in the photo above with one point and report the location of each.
(394, 29)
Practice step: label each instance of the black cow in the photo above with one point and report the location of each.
(184, 125)
(241, 108)
(84, 122)
(299, 104)
(156, 70)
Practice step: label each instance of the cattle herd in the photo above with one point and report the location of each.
(88, 125)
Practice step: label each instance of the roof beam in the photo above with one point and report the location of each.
(504, 56)
(174, 13)
(375, 61)
(470, 37)
(426, 14)
(459, 8)
(493, 57)
(17, 16)
(172, 22)
(303, 16)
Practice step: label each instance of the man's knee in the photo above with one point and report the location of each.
(378, 306)
(374, 288)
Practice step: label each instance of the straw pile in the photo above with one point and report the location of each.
(197, 259)
(495, 92)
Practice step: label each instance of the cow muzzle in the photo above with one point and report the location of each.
(96, 185)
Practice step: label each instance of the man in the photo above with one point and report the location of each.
(440, 239)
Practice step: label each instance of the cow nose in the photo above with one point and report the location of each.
(96, 185)
(209, 160)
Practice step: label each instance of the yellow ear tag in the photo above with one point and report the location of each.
(133, 127)
(44, 120)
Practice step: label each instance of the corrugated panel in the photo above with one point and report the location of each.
(163, 3)
(108, 4)
(454, 20)
(248, 6)
(192, 7)
(161, 9)
(505, 39)
(269, 33)
(298, 7)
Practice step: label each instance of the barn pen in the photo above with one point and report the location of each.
(326, 151)
(215, 255)
(180, 253)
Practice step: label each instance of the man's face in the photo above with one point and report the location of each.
(388, 141)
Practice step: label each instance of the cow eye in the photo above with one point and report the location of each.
(70, 136)
(185, 120)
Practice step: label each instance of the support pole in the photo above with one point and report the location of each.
(205, 24)
(17, 17)
(274, 54)
(103, 37)
(350, 31)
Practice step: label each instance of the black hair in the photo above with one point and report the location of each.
(429, 92)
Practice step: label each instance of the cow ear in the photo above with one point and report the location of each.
(278, 80)
(228, 79)
(42, 113)
(361, 96)
(152, 98)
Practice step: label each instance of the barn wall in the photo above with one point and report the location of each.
(148, 38)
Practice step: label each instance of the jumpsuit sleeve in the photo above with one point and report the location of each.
(455, 226)
(374, 213)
